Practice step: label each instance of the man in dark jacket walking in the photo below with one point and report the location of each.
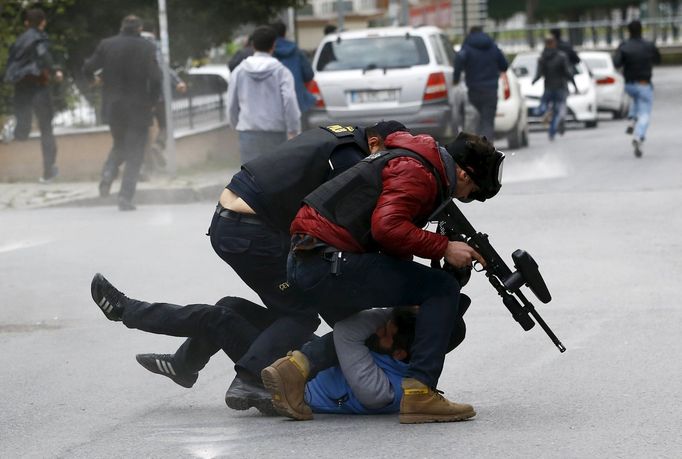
(291, 56)
(132, 83)
(555, 68)
(637, 57)
(30, 68)
(481, 61)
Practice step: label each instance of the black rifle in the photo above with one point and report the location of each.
(453, 224)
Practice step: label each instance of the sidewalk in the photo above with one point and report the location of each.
(185, 188)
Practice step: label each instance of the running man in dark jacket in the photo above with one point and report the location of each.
(555, 68)
(481, 61)
(637, 57)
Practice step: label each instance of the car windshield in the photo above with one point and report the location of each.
(372, 53)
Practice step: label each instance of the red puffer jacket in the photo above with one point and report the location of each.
(409, 194)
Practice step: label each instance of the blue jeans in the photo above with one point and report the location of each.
(253, 143)
(642, 95)
(556, 98)
(375, 280)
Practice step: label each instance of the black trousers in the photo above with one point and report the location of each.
(29, 99)
(232, 324)
(485, 102)
(257, 253)
(376, 280)
(129, 141)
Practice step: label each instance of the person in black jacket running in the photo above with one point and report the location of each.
(637, 57)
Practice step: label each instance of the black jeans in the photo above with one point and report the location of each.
(485, 102)
(29, 99)
(129, 141)
(232, 325)
(257, 253)
(376, 280)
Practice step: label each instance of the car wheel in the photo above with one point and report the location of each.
(515, 139)
(591, 124)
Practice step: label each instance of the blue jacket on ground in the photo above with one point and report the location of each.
(481, 60)
(329, 392)
(288, 54)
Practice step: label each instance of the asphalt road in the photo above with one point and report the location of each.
(604, 227)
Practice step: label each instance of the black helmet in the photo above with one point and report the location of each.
(478, 158)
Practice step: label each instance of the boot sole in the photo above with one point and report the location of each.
(242, 404)
(273, 383)
(426, 418)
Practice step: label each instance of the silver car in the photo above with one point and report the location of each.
(401, 73)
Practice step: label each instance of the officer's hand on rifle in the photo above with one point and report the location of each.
(461, 255)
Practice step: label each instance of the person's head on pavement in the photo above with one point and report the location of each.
(479, 167)
(396, 336)
(264, 39)
(377, 133)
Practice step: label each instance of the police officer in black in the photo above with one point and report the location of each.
(250, 232)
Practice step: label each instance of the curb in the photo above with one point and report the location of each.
(151, 196)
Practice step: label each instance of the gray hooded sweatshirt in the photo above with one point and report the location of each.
(261, 96)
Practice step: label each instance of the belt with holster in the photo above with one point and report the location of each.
(305, 245)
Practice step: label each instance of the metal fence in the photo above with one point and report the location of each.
(203, 104)
(602, 34)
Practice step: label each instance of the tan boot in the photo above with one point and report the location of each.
(422, 404)
(285, 379)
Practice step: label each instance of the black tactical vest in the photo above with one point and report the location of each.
(349, 199)
(290, 172)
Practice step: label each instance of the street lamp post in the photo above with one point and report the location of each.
(167, 95)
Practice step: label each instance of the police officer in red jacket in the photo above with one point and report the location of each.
(352, 246)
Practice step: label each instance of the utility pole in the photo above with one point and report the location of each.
(340, 12)
(167, 95)
(404, 12)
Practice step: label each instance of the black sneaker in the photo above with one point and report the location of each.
(243, 394)
(637, 146)
(163, 364)
(107, 297)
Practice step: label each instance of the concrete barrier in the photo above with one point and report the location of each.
(81, 153)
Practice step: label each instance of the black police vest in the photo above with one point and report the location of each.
(349, 199)
(290, 172)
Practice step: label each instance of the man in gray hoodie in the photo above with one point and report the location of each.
(261, 99)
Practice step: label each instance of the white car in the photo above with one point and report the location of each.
(581, 105)
(611, 96)
(400, 73)
(511, 118)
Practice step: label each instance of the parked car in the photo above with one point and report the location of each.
(401, 73)
(208, 79)
(511, 118)
(611, 96)
(581, 105)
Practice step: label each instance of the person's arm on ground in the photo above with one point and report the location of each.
(368, 382)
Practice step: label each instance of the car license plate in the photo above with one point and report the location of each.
(366, 97)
